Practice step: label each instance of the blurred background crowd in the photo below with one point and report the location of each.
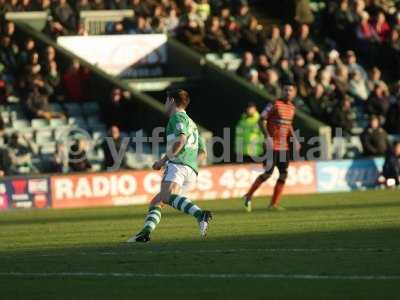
(343, 55)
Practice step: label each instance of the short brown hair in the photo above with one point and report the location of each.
(181, 98)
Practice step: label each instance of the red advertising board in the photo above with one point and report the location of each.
(138, 187)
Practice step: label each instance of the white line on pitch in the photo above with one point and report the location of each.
(206, 276)
(205, 251)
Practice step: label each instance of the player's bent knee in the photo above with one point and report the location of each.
(265, 176)
(156, 200)
(282, 177)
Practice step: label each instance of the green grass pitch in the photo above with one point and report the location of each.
(325, 246)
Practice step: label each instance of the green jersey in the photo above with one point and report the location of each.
(180, 123)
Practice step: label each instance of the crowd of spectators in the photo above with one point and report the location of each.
(32, 80)
(345, 60)
(343, 78)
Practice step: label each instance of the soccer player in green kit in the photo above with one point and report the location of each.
(184, 149)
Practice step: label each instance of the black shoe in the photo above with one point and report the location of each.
(205, 219)
(141, 237)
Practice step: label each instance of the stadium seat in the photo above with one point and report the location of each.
(44, 136)
(77, 121)
(90, 108)
(99, 135)
(58, 122)
(20, 124)
(94, 121)
(48, 148)
(73, 109)
(39, 123)
(56, 107)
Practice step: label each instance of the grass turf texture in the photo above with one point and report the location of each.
(331, 234)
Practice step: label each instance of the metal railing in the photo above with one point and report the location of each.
(95, 22)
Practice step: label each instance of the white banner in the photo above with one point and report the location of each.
(127, 56)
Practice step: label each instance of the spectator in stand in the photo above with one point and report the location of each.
(291, 46)
(353, 66)
(381, 27)
(38, 106)
(391, 167)
(274, 46)
(113, 146)
(77, 158)
(303, 12)
(246, 66)
(142, 26)
(49, 56)
(117, 4)
(375, 78)
(26, 52)
(45, 5)
(215, 38)
(64, 15)
(285, 73)
(325, 78)
(298, 69)
(342, 19)
(342, 116)
(312, 60)
(225, 15)
(341, 80)
(82, 5)
(248, 137)
(332, 62)
(3, 86)
(307, 85)
(192, 34)
(19, 151)
(272, 86)
(392, 124)
(232, 33)
(254, 79)
(393, 53)
(172, 21)
(116, 110)
(262, 67)
(378, 102)
(5, 162)
(374, 138)
(8, 58)
(251, 36)
(366, 34)
(74, 80)
(358, 87)
(319, 102)
(98, 5)
(52, 78)
(304, 40)
(203, 9)
(243, 18)
(141, 8)
(55, 29)
(59, 160)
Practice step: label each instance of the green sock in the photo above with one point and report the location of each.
(185, 205)
(152, 219)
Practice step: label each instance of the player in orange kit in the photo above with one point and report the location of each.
(276, 123)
